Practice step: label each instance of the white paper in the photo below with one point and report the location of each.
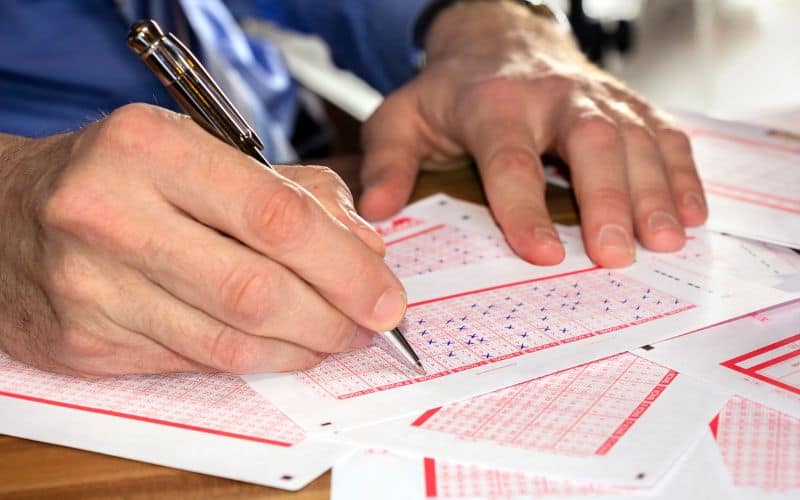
(708, 254)
(369, 474)
(755, 357)
(487, 326)
(751, 178)
(212, 424)
(760, 448)
(597, 422)
(781, 121)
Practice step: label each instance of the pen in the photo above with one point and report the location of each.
(199, 95)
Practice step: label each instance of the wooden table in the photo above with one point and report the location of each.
(30, 469)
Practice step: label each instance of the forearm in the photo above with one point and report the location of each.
(24, 307)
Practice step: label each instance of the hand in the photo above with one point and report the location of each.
(506, 86)
(141, 245)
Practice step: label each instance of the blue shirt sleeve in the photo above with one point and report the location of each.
(371, 38)
(65, 64)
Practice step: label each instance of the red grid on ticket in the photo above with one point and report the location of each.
(777, 364)
(440, 247)
(219, 404)
(732, 165)
(447, 480)
(760, 446)
(482, 327)
(581, 411)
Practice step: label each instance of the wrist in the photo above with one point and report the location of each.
(476, 28)
(27, 169)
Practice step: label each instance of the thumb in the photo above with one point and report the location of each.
(391, 158)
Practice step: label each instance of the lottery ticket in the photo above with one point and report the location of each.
(596, 422)
(757, 357)
(447, 232)
(367, 474)
(210, 423)
(761, 450)
(486, 326)
(709, 254)
(750, 178)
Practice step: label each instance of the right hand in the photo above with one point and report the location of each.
(141, 245)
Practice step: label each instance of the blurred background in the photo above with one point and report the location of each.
(729, 58)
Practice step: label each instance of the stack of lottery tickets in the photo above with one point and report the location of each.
(570, 381)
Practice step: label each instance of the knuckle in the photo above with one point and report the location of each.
(74, 206)
(310, 360)
(77, 343)
(328, 176)
(279, 216)
(558, 84)
(328, 181)
(595, 130)
(230, 351)
(633, 131)
(512, 159)
(516, 161)
(370, 270)
(684, 177)
(486, 93)
(303, 361)
(610, 198)
(71, 279)
(131, 128)
(243, 293)
(675, 139)
(338, 339)
(649, 198)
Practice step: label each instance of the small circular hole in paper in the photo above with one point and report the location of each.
(324, 424)
(640, 475)
(287, 477)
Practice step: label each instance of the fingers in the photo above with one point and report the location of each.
(189, 332)
(241, 288)
(513, 178)
(687, 190)
(594, 149)
(335, 196)
(391, 157)
(655, 218)
(279, 219)
(675, 148)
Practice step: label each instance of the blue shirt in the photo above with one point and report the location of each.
(65, 63)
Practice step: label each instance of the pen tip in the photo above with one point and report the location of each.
(419, 368)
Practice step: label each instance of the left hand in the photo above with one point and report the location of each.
(505, 86)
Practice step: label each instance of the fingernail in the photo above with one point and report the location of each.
(662, 221)
(362, 338)
(546, 235)
(390, 307)
(613, 236)
(694, 201)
